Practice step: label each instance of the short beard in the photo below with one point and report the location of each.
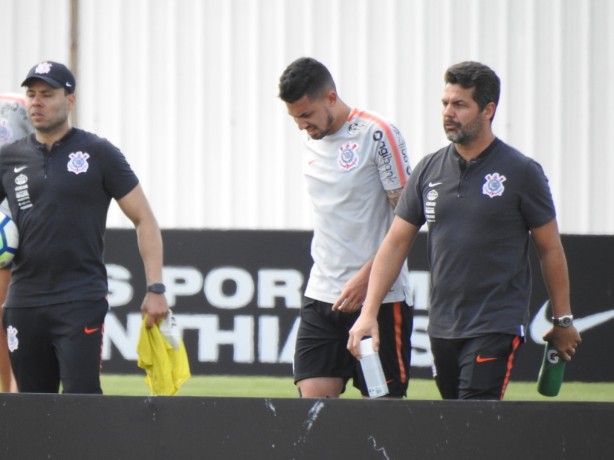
(466, 134)
(49, 129)
(326, 131)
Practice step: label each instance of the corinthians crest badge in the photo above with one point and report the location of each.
(348, 156)
(12, 340)
(78, 162)
(5, 131)
(494, 185)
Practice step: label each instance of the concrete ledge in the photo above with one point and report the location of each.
(126, 427)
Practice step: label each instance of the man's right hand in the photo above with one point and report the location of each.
(365, 326)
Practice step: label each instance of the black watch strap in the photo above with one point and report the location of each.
(156, 288)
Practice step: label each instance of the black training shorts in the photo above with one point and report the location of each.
(57, 344)
(321, 345)
(476, 367)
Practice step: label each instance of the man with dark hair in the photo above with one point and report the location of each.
(483, 201)
(355, 166)
(59, 183)
(305, 77)
(471, 75)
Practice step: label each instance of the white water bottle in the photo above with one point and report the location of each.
(372, 369)
(170, 331)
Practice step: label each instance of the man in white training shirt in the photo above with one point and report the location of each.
(355, 165)
(14, 125)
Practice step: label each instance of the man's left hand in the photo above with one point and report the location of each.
(155, 307)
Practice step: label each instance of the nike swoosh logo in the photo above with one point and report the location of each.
(19, 168)
(434, 184)
(479, 359)
(542, 324)
(87, 330)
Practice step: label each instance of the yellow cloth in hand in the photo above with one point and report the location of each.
(166, 368)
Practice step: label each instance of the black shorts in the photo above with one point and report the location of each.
(474, 368)
(57, 344)
(321, 345)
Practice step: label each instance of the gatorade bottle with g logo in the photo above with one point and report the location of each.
(551, 373)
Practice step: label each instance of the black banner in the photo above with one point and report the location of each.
(237, 294)
(145, 428)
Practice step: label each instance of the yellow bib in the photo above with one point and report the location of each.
(166, 368)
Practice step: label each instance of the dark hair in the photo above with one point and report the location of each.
(305, 77)
(483, 79)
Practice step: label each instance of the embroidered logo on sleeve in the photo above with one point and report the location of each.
(348, 156)
(6, 134)
(494, 185)
(78, 162)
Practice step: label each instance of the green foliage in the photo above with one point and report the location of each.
(283, 387)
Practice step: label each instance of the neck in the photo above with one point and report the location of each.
(48, 138)
(474, 148)
(342, 112)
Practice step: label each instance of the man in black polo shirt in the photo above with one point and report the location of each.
(59, 183)
(482, 201)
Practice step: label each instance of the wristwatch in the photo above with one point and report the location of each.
(563, 321)
(156, 288)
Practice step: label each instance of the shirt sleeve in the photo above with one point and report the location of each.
(536, 203)
(119, 178)
(391, 156)
(411, 204)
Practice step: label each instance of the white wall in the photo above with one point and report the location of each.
(188, 90)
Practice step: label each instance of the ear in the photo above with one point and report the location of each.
(331, 97)
(489, 110)
(72, 100)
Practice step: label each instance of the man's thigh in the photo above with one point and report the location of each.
(395, 321)
(321, 343)
(485, 366)
(77, 337)
(31, 352)
(446, 370)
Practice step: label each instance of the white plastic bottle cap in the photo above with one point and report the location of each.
(366, 347)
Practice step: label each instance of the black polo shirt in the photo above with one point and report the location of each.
(479, 214)
(59, 200)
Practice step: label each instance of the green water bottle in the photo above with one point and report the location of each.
(551, 373)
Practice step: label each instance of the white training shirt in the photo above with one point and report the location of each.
(14, 122)
(347, 175)
(14, 125)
